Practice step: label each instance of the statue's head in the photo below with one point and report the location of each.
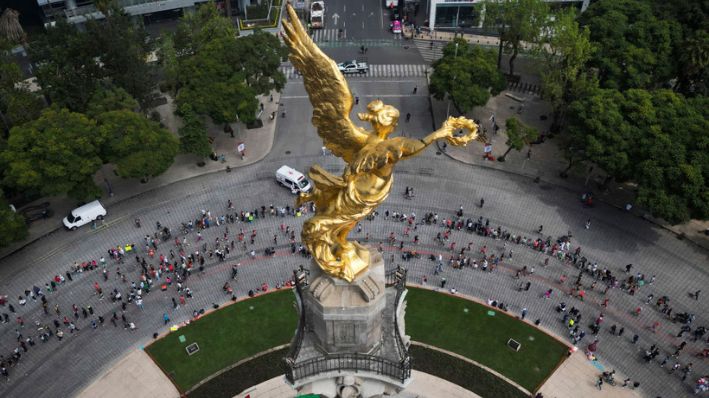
(382, 117)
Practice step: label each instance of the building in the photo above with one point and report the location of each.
(78, 11)
(451, 14)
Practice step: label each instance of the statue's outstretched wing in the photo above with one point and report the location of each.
(327, 89)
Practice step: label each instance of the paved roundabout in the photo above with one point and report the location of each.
(517, 204)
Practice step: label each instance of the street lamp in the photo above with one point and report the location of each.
(448, 109)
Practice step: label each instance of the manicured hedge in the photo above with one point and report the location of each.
(238, 379)
(462, 373)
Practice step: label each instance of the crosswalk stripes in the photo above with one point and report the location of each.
(377, 70)
(327, 35)
(428, 52)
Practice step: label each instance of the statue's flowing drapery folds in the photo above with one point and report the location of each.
(341, 202)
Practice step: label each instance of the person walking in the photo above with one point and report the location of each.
(165, 318)
(524, 313)
(599, 382)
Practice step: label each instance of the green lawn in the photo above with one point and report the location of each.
(227, 336)
(246, 328)
(465, 328)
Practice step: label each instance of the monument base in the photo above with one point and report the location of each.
(350, 341)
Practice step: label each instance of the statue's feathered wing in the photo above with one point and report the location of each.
(328, 91)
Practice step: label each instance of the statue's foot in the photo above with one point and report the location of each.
(354, 260)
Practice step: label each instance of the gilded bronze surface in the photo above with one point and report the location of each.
(341, 202)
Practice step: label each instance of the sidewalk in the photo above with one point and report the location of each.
(116, 189)
(546, 161)
(577, 377)
(135, 375)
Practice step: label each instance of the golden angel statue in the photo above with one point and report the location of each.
(341, 202)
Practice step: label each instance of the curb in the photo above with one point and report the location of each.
(678, 235)
(132, 196)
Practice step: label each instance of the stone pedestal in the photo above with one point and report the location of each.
(350, 340)
(346, 317)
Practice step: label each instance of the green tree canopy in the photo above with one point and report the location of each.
(56, 154)
(168, 62)
(122, 46)
(220, 74)
(567, 49)
(14, 227)
(193, 135)
(259, 56)
(656, 139)
(692, 54)
(139, 147)
(17, 104)
(72, 63)
(516, 21)
(112, 98)
(518, 135)
(468, 75)
(635, 48)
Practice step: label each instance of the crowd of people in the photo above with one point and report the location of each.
(167, 261)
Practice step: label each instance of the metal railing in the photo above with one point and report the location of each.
(397, 278)
(301, 280)
(350, 362)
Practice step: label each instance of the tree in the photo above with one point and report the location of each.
(168, 62)
(691, 55)
(17, 104)
(14, 227)
(259, 56)
(567, 49)
(516, 21)
(656, 139)
(139, 147)
(467, 74)
(55, 154)
(67, 68)
(10, 27)
(122, 46)
(635, 48)
(111, 98)
(221, 74)
(518, 135)
(193, 135)
(72, 64)
(214, 90)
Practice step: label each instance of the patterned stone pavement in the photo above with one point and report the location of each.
(62, 368)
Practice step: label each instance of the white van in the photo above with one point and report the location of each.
(293, 179)
(84, 215)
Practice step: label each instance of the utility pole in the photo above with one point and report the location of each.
(448, 109)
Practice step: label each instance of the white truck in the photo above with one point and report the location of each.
(317, 14)
(353, 66)
(84, 214)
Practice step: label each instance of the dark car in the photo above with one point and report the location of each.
(36, 212)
